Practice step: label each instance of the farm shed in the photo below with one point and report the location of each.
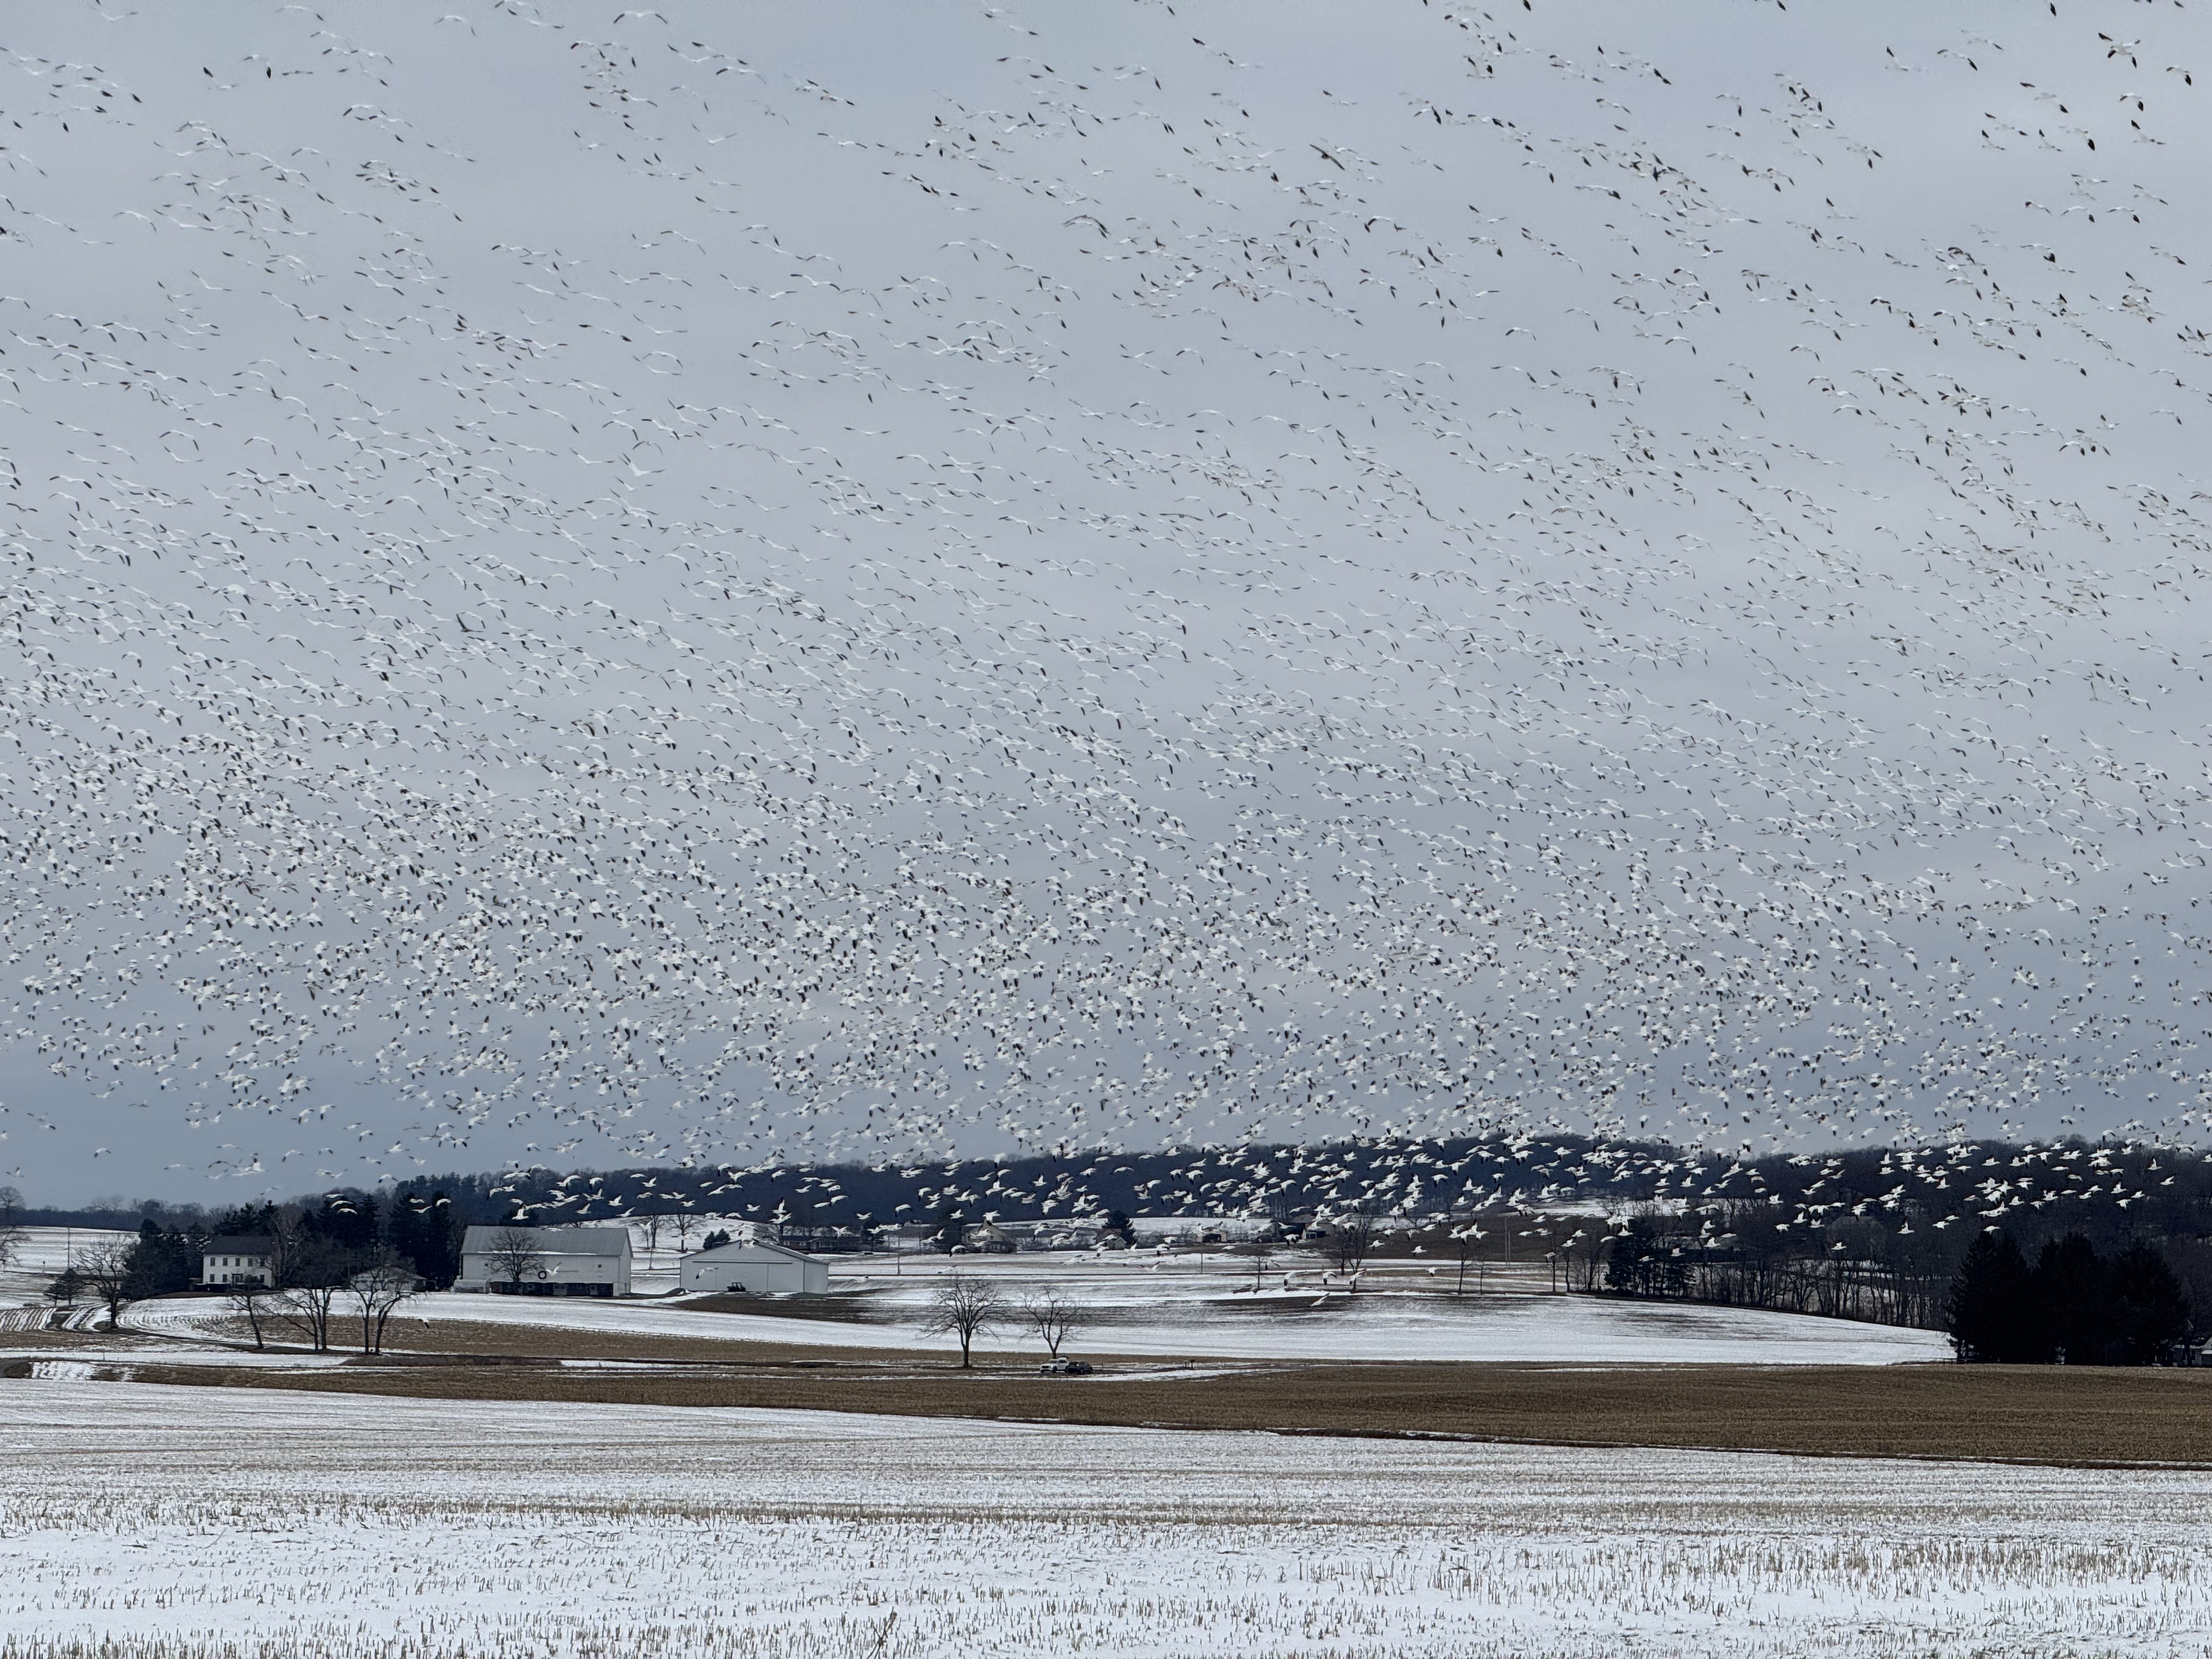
(757, 1268)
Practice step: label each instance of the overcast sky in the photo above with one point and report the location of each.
(736, 582)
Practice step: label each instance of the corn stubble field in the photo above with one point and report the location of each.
(190, 1523)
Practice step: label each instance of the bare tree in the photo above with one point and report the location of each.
(287, 1238)
(105, 1270)
(1463, 1240)
(376, 1291)
(1350, 1237)
(307, 1309)
(251, 1300)
(11, 1224)
(964, 1306)
(307, 1300)
(513, 1254)
(1584, 1254)
(1262, 1253)
(1053, 1317)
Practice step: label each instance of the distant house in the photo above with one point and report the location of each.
(240, 1260)
(757, 1268)
(550, 1261)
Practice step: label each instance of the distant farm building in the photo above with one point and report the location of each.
(241, 1260)
(546, 1261)
(756, 1268)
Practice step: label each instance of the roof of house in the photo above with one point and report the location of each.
(244, 1244)
(552, 1241)
(747, 1249)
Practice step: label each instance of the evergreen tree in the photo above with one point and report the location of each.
(247, 1221)
(161, 1262)
(405, 1227)
(426, 1235)
(2073, 1322)
(950, 1227)
(1990, 1315)
(2149, 1314)
(349, 1222)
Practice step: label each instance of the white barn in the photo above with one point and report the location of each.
(553, 1260)
(757, 1269)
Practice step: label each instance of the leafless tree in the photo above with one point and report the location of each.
(252, 1301)
(105, 1270)
(287, 1238)
(513, 1254)
(307, 1299)
(1053, 1317)
(1262, 1254)
(1350, 1237)
(308, 1310)
(964, 1306)
(1584, 1254)
(376, 1291)
(11, 1224)
(1463, 1240)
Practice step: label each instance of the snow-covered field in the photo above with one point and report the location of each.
(1564, 1329)
(1137, 1303)
(1178, 1310)
(216, 1522)
(1140, 1303)
(40, 1253)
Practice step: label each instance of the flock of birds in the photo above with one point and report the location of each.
(722, 584)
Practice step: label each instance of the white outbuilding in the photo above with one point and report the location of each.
(757, 1269)
(546, 1261)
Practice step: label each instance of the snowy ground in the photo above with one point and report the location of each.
(1177, 1310)
(1139, 1302)
(341, 1525)
(40, 1253)
(1174, 1308)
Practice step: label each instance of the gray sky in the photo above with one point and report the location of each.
(750, 581)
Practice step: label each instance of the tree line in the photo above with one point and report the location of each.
(2073, 1307)
(2070, 1303)
(1758, 1253)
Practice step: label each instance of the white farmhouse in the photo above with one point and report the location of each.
(238, 1261)
(546, 1261)
(757, 1269)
